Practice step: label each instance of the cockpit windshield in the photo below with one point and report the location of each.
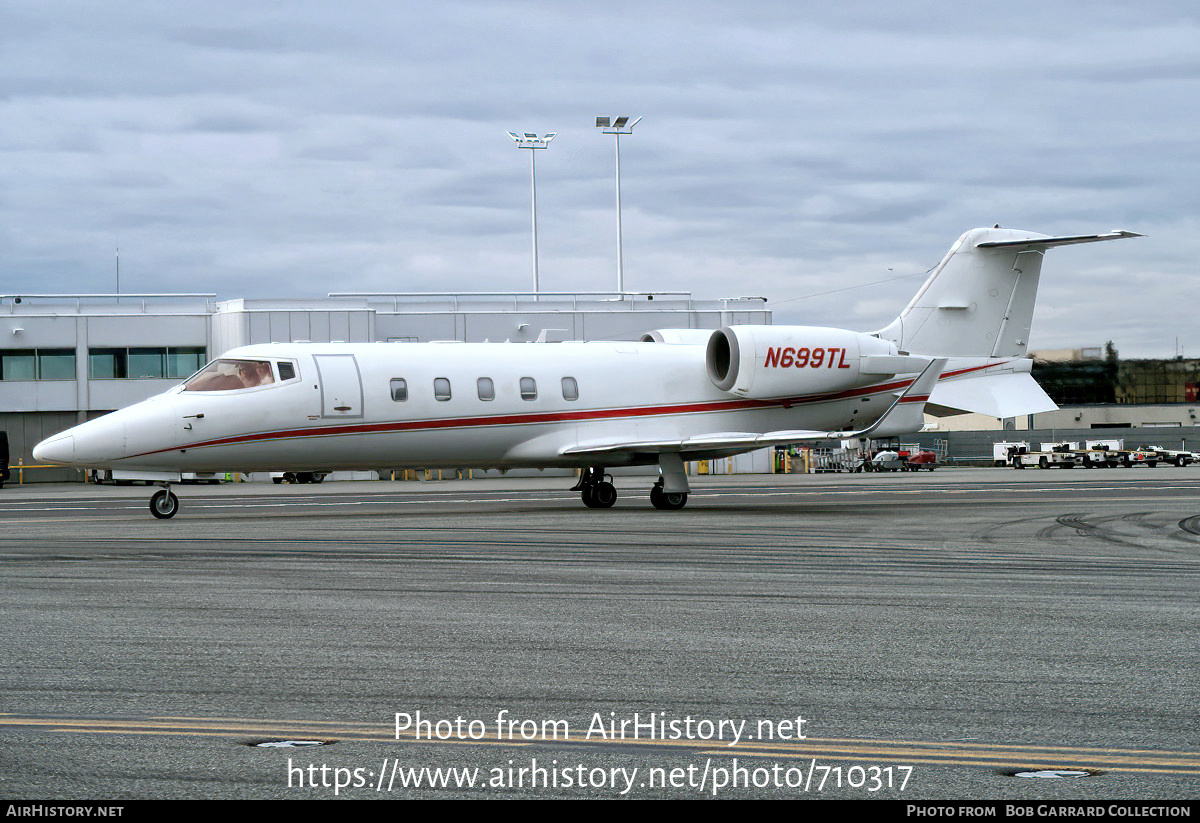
(228, 375)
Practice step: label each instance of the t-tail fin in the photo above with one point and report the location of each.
(979, 300)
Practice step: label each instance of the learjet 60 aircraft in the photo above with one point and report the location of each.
(679, 395)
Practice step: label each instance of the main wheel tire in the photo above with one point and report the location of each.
(599, 495)
(604, 495)
(667, 501)
(164, 504)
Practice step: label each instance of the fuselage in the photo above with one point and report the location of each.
(489, 405)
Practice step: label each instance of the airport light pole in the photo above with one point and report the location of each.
(617, 126)
(525, 140)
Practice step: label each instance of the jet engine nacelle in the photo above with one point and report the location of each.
(763, 362)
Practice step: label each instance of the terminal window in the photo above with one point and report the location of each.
(144, 363)
(37, 364)
(18, 365)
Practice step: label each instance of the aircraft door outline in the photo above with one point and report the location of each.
(341, 386)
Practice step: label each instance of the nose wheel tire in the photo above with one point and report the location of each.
(164, 504)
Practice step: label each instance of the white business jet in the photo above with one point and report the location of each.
(679, 395)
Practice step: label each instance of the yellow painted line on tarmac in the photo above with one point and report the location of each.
(874, 752)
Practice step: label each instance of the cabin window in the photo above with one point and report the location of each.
(528, 388)
(487, 389)
(570, 388)
(399, 389)
(441, 388)
(229, 375)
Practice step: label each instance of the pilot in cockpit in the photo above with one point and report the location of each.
(230, 375)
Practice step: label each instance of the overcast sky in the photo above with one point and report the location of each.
(787, 149)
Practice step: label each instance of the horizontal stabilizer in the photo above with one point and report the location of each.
(1047, 242)
(1000, 395)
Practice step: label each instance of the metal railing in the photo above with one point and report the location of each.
(139, 299)
(461, 301)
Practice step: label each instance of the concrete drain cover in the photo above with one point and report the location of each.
(1054, 774)
(288, 744)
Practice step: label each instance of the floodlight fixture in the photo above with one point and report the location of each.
(529, 140)
(617, 126)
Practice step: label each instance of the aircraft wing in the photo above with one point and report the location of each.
(748, 441)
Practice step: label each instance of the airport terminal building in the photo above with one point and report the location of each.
(68, 358)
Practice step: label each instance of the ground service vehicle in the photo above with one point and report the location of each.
(921, 460)
(1153, 455)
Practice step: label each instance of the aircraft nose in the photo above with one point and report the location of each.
(57, 449)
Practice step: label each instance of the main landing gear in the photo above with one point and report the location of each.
(670, 493)
(164, 504)
(596, 488)
(667, 501)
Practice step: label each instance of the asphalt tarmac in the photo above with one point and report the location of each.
(826, 636)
